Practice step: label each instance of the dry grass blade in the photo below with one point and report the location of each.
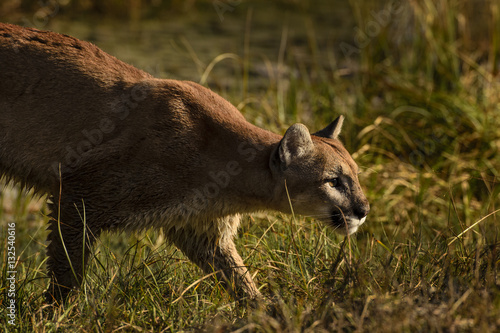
(472, 226)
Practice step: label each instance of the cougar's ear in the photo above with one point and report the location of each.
(296, 143)
(332, 131)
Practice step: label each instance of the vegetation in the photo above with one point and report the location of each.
(420, 88)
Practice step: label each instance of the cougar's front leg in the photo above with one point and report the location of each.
(218, 254)
(227, 260)
(70, 240)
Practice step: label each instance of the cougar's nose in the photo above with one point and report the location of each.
(362, 211)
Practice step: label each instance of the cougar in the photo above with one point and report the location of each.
(116, 149)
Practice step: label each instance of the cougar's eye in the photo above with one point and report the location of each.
(334, 182)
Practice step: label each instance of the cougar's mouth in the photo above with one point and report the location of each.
(345, 224)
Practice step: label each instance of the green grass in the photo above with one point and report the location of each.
(423, 119)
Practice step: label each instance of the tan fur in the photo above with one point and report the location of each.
(133, 151)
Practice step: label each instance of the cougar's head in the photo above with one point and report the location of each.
(320, 177)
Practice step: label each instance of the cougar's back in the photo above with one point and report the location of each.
(53, 90)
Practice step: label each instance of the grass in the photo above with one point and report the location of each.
(423, 119)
